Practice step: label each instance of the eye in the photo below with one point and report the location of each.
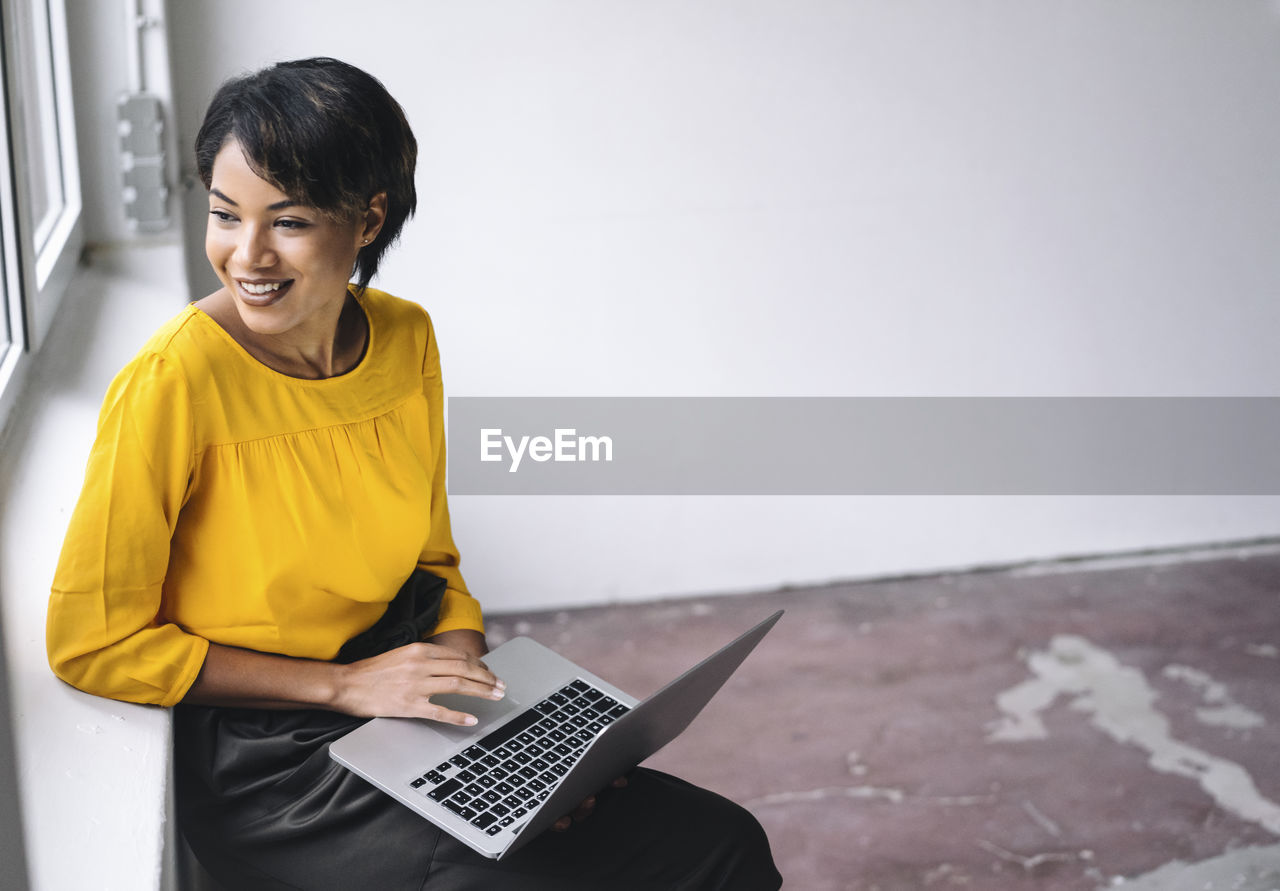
(292, 224)
(222, 216)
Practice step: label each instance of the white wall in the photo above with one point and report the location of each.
(99, 36)
(790, 197)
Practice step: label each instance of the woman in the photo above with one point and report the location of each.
(263, 538)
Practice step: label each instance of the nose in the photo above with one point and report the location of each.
(253, 247)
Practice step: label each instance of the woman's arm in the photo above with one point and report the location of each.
(103, 633)
(397, 683)
(470, 642)
(439, 554)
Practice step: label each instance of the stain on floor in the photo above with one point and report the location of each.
(1070, 727)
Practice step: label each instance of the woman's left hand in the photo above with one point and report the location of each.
(470, 642)
(584, 810)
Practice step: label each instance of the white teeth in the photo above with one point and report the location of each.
(260, 289)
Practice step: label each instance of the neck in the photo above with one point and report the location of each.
(330, 347)
(320, 357)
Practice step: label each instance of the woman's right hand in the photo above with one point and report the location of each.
(398, 683)
(401, 682)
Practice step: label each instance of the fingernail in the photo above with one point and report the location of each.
(498, 694)
(469, 720)
(500, 684)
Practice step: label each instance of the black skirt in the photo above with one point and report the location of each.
(264, 807)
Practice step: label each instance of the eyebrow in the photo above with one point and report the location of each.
(279, 205)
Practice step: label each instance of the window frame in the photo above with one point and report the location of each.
(34, 277)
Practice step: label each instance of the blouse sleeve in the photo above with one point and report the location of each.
(439, 555)
(105, 632)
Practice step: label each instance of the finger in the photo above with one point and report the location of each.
(562, 824)
(470, 671)
(439, 662)
(433, 712)
(584, 810)
(460, 686)
(446, 665)
(444, 651)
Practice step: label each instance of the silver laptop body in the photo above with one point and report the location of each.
(502, 782)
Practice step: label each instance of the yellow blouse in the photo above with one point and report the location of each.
(227, 502)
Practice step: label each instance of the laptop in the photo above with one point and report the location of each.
(559, 735)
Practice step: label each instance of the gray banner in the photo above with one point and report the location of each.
(864, 446)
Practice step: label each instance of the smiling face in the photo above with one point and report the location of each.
(285, 265)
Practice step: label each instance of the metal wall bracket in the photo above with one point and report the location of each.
(140, 119)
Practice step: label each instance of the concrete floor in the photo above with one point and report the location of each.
(1067, 727)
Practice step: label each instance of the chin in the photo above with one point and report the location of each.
(270, 319)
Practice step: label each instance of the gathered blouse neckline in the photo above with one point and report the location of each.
(264, 368)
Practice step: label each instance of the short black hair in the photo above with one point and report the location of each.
(326, 134)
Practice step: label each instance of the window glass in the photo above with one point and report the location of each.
(40, 229)
(6, 324)
(39, 111)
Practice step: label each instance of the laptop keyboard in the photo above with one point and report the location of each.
(498, 781)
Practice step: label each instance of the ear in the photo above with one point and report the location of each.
(373, 218)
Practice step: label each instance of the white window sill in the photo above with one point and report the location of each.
(92, 773)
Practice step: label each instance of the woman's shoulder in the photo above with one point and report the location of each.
(162, 354)
(402, 329)
(183, 347)
(173, 334)
(395, 312)
(154, 383)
